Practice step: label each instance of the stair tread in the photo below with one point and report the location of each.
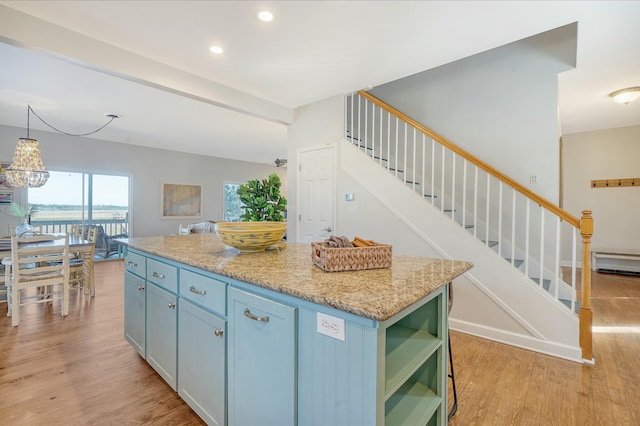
(491, 243)
(567, 303)
(517, 262)
(546, 283)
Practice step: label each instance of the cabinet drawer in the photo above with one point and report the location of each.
(136, 264)
(204, 291)
(166, 276)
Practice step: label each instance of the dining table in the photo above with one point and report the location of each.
(76, 245)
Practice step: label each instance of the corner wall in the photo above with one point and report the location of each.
(500, 105)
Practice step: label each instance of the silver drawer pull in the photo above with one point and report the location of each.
(140, 287)
(135, 265)
(157, 275)
(192, 289)
(248, 314)
(219, 332)
(172, 305)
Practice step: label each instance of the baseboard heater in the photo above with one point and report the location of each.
(613, 261)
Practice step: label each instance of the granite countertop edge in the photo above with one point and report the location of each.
(377, 294)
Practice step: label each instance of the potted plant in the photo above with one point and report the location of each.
(263, 219)
(262, 201)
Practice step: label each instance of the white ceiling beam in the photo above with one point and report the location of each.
(29, 32)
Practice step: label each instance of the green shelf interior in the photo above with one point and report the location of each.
(406, 350)
(413, 404)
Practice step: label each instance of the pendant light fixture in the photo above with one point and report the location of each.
(26, 169)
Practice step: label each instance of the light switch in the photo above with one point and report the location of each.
(348, 196)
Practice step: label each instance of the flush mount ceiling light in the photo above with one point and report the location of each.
(625, 96)
(26, 169)
(216, 49)
(265, 16)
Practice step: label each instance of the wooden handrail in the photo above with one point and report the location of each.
(585, 224)
(562, 214)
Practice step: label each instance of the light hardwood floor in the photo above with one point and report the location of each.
(79, 370)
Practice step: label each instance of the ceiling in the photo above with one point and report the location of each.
(148, 61)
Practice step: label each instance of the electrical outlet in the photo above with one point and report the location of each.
(330, 326)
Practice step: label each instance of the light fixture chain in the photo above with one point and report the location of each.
(111, 118)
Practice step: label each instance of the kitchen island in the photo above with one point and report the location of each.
(269, 338)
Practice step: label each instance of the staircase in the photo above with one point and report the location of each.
(465, 209)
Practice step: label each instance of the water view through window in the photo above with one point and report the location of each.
(83, 198)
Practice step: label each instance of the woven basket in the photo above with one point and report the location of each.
(351, 258)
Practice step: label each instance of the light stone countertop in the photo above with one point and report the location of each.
(377, 294)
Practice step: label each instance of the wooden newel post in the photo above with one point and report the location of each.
(586, 315)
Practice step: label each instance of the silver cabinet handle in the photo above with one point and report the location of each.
(192, 289)
(248, 314)
(172, 305)
(157, 275)
(219, 332)
(140, 287)
(135, 265)
(328, 229)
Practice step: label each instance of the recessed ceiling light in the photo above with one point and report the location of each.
(265, 16)
(216, 49)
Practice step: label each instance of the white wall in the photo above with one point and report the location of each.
(604, 154)
(316, 124)
(499, 105)
(147, 169)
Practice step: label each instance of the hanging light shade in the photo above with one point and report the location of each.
(27, 169)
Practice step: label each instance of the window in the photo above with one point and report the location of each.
(232, 206)
(83, 198)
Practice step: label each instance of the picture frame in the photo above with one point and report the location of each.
(181, 201)
(6, 197)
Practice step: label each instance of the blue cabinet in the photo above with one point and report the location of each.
(262, 360)
(134, 312)
(162, 333)
(202, 362)
(240, 354)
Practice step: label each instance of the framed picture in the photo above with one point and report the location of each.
(180, 201)
(6, 197)
(3, 175)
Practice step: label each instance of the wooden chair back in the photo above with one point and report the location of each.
(39, 262)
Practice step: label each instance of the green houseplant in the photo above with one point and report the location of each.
(262, 201)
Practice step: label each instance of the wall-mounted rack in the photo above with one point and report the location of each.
(615, 183)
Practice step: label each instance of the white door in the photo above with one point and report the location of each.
(315, 193)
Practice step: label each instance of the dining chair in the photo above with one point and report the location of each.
(202, 227)
(81, 265)
(39, 273)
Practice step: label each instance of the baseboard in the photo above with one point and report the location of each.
(556, 349)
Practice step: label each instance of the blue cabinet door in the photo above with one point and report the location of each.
(162, 332)
(202, 362)
(134, 312)
(262, 361)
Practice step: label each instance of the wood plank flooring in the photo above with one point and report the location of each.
(79, 370)
(503, 385)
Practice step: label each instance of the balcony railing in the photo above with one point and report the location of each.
(108, 230)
